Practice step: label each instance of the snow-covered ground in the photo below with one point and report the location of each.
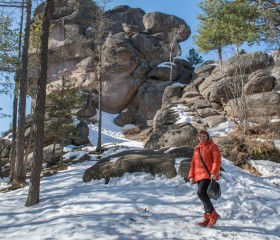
(141, 206)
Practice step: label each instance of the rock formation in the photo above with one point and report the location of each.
(244, 88)
(136, 44)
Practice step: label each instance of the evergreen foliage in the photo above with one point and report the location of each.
(8, 45)
(8, 58)
(269, 21)
(60, 103)
(211, 35)
(234, 22)
(194, 58)
(239, 21)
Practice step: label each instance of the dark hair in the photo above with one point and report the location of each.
(203, 132)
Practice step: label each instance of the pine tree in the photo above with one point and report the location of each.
(8, 57)
(269, 21)
(8, 45)
(60, 103)
(211, 35)
(239, 21)
(224, 23)
(194, 57)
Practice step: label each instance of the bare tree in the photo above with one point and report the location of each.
(39, 112)
(172, 51)
(101, 25)
(236, 95)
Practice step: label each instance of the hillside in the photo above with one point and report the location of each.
(142, 206)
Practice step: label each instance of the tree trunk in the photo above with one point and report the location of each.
(15, 101)
(61, 150)
(236, 51)
(101, 25)
(220, 57)
(20, 171)
(39, 112)
(53, 150)
(98, 145)
(14, 131)
(29, 140)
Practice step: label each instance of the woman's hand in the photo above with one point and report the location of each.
(213, 177)
(191, 181)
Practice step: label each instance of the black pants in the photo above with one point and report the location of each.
(202, 194)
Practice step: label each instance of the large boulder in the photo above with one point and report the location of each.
(150, 46)
(5, 147)
(176, 135)
(155, 162)
(226, 89)
(129, 162)
(127, 116)
(121, 60)
(121, 16)
(165, 72)
(149, 99)
(263, 105)
(245, 63)
(170, 94)
(259, 81)
(51, 155)
(80, 134)
(156, 22)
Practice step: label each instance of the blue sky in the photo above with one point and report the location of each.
(185, 9)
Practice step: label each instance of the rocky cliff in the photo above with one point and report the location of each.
(136, 44)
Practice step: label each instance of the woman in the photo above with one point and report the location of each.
(198, 174)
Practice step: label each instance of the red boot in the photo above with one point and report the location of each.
(213, 218)
(205, 221)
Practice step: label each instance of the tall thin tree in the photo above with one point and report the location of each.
(15, 100)
(20, 171)
(39, 111)
(101, 24)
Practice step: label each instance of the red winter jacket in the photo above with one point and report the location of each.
(212, 157)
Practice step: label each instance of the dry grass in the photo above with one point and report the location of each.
(257, 144)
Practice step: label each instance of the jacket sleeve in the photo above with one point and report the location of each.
(191, 172)
(217, 160)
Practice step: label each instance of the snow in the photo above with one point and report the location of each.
(270, 170)
(184, 116)
(111, 132)
(141, 206)
(221, 130)
(187, 117)
(178, 84)
(277, 143)
(166, 65)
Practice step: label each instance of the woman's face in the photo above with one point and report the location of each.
(202, 137)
